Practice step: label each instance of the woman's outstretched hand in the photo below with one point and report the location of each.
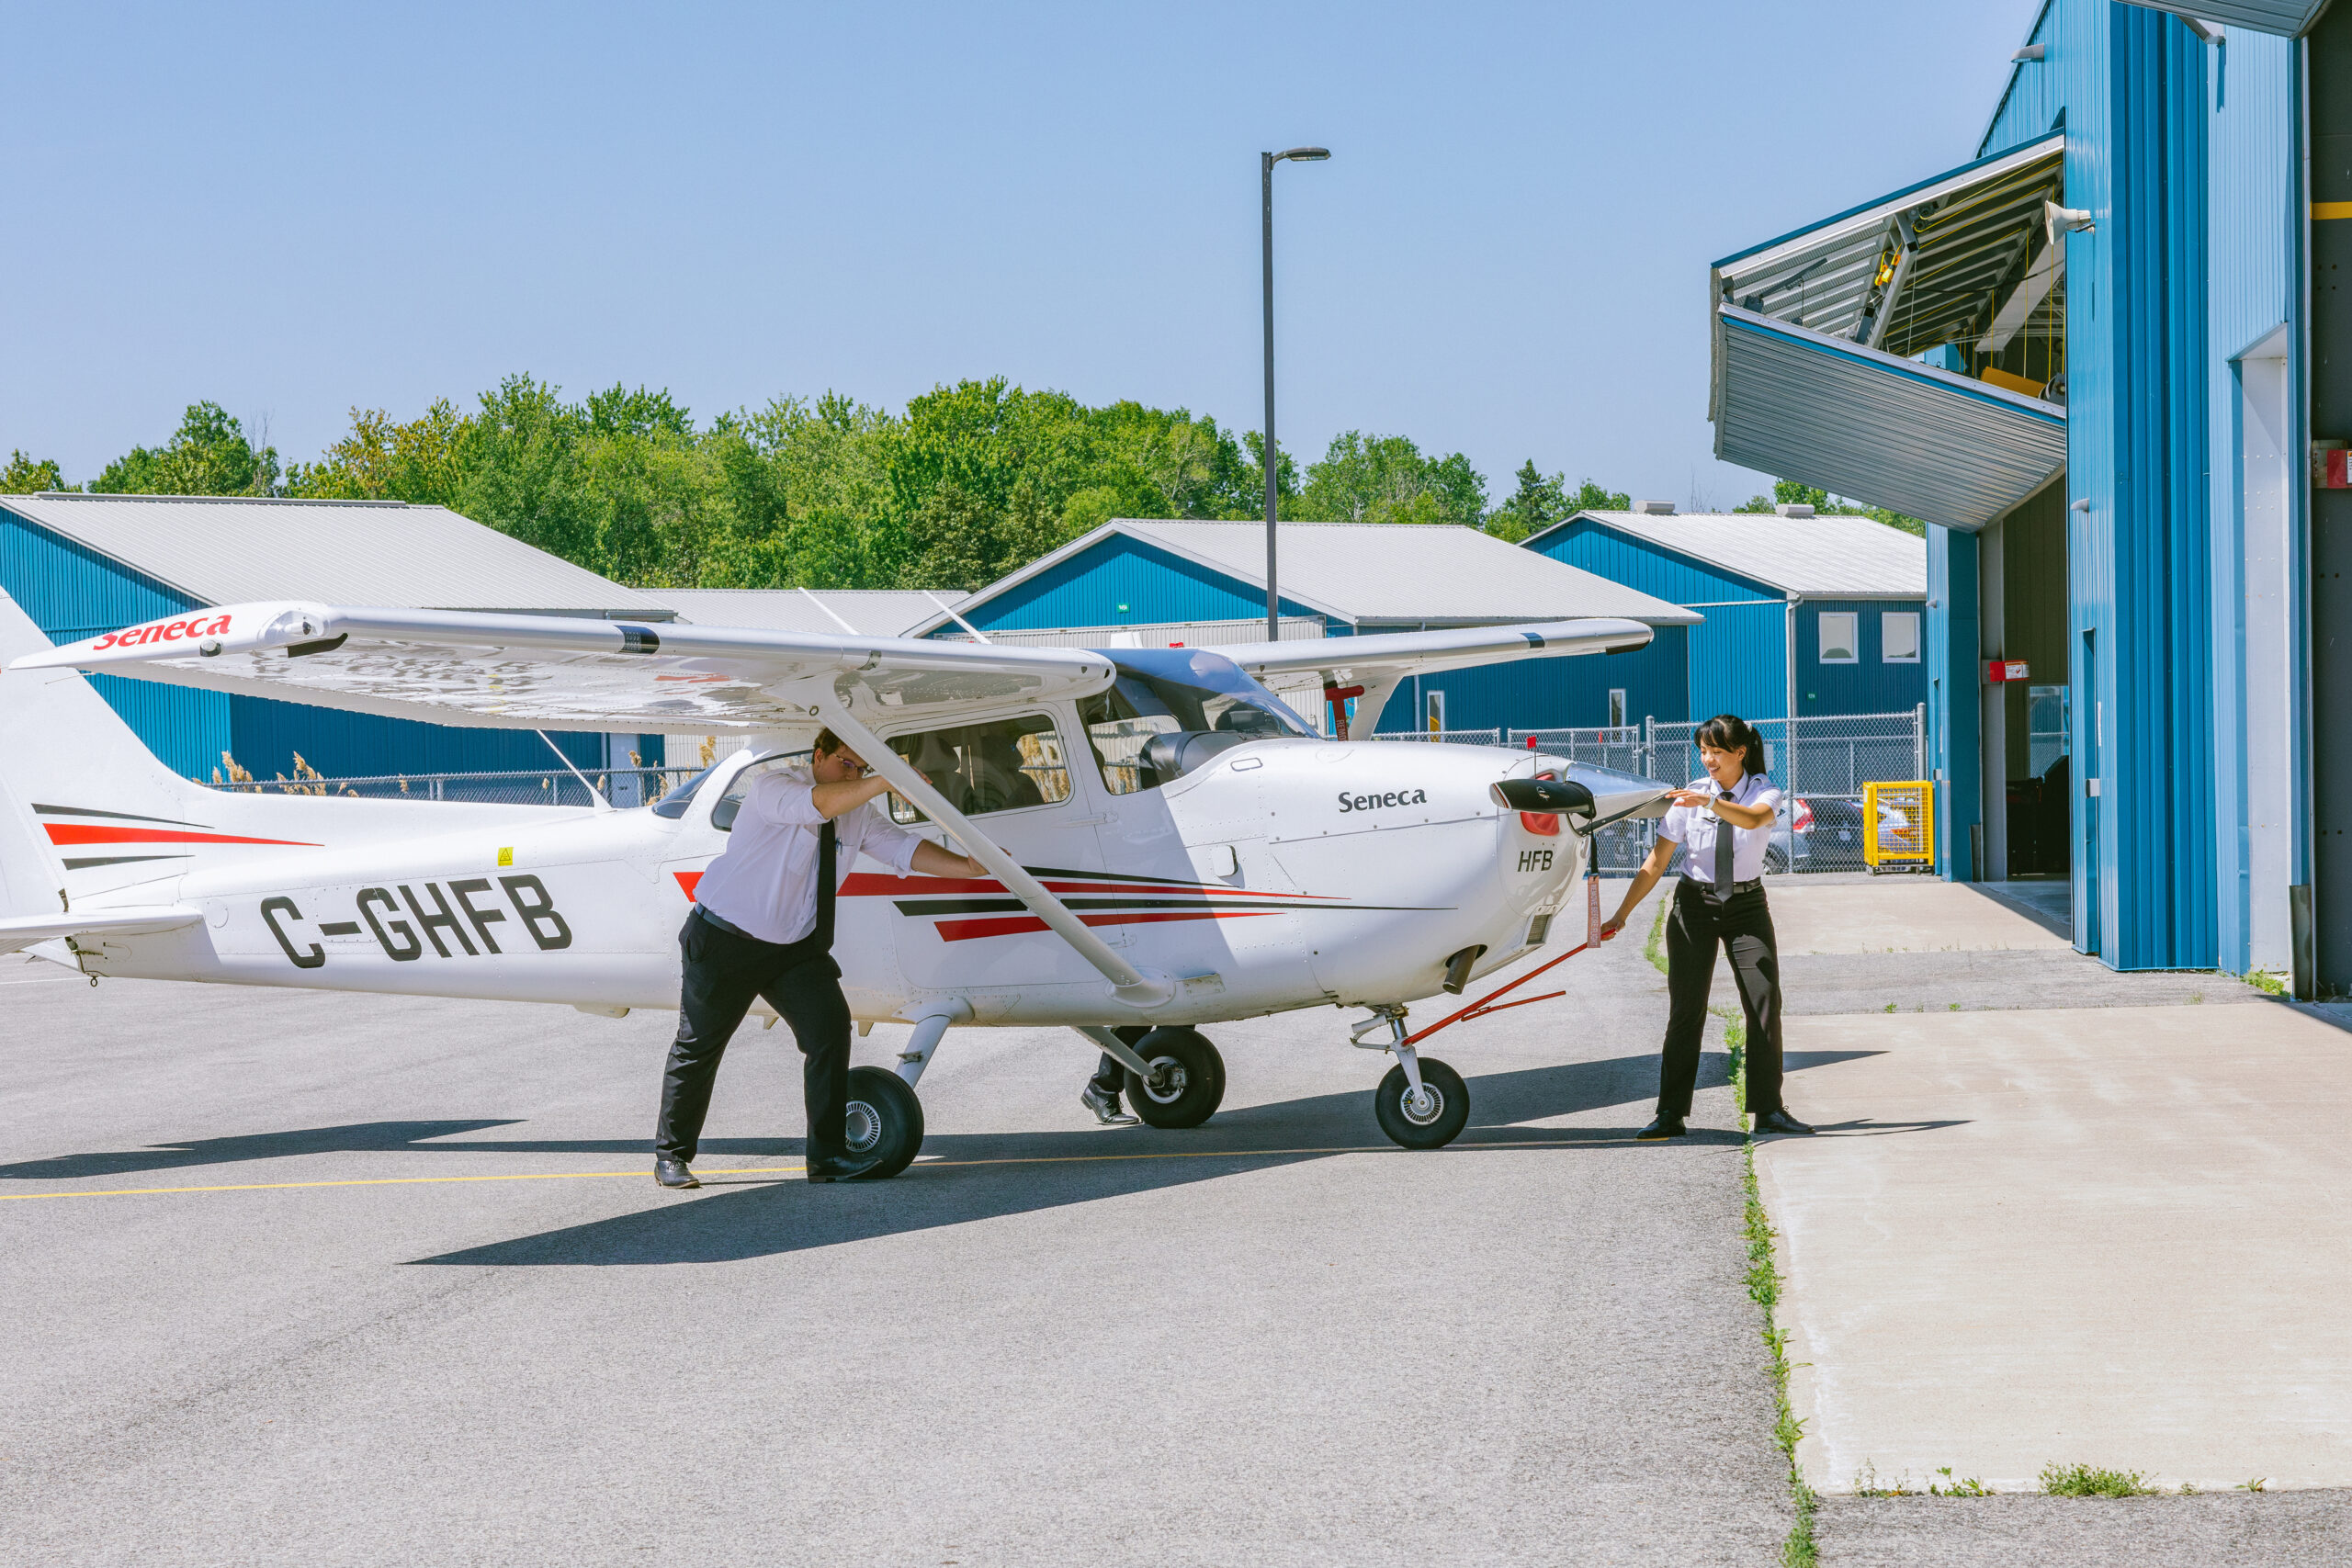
(1611, 926)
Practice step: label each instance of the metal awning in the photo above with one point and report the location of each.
(2288, 19)
(1930, 265)
(1883, 430)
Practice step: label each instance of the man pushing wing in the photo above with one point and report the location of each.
(762, 926)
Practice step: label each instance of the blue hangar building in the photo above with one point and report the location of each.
(2095, 355)
(1805, 615)
(1135, 581)
(83, 565)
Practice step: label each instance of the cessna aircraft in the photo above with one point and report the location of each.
(1168, 844)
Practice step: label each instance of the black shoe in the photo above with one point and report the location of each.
(1779, 1122)
(1664, 1127)
(833, 1167)
(672, 1172)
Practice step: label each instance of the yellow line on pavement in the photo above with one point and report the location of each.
(774, 1169)
(376, 1182)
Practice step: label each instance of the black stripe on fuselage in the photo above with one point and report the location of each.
(116, 816)
(91, 861)
(1014, 906)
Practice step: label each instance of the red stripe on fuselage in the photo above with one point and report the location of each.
(688, 881)
(866, 884)
(73, 833)
(1018, 925)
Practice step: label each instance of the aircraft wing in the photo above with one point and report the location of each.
(1370, 668)
(512, 671)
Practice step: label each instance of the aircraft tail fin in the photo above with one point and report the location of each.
(67, 758)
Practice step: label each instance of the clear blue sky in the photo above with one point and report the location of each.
(293, 210)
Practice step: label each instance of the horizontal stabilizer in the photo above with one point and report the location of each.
(21, 932)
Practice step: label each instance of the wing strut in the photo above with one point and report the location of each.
(1130, 984)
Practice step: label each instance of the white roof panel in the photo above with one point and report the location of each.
(874, 612)
(1392, 573)
(237, 549)
(1819, 556)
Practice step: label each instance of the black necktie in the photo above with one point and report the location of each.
(1724, 850)
(826, 840)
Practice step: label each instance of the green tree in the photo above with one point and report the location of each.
(209, 455)
(1385, 479)
(24, 475)
(384, 461)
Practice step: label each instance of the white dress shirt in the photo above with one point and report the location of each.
(765, 882)
(1695, 827)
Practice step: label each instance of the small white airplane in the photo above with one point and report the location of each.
(1169, 845)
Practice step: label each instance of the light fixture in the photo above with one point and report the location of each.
(2031, 51)
(1303, 154)
(2057, 220)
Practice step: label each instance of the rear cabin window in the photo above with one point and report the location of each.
(1006, 765)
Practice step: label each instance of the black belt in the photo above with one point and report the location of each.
(1707, 889)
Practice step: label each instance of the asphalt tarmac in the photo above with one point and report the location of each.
(408, 1294)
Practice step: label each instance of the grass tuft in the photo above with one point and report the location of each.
(2259, 1484)
(2265, 981)
(1965, 1486)
(1799, 1550)
(2088, 1480)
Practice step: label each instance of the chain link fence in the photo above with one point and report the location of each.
(625, 788)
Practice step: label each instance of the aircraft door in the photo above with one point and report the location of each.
(1012, 778)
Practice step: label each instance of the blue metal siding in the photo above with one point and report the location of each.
(2149, 554)
(1552, 693)
(1739, 661)
(2037, 88)
(1871, 685)
(1954, 712)
(266, 735)
(2252, 192)
(1089, 589)
(1661, 573)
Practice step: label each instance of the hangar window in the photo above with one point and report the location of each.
(1009, 764)
(1839, 635)
(1899, 637)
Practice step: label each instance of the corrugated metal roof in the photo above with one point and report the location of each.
(873, 612)
(1408, 573)
(1884, 431)
(1822, 557)
(1929, 265)
(231, 550)
(2288, 19)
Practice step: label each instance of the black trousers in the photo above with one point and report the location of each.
(724, 970)
(1109, 1077)
(1742, 926)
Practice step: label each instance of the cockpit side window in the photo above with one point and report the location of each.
(1170, 711)
(1007, 764)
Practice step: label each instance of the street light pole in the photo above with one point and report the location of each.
(1266, 162)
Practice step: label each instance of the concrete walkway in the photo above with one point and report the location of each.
(2059, 1215)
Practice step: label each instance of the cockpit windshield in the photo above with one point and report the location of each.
(1206, 691)
(1172, 709)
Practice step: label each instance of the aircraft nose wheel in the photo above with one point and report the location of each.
(885, 1122)
(1187, 1081)
(1430, 1120)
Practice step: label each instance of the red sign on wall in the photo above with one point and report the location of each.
(2001, 671)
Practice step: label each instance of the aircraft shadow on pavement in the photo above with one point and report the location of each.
(970, 1177)
(357, 1137)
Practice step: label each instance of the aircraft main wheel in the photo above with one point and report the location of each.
(1187, 1081)
(885, 1122)
(1436, 1119)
